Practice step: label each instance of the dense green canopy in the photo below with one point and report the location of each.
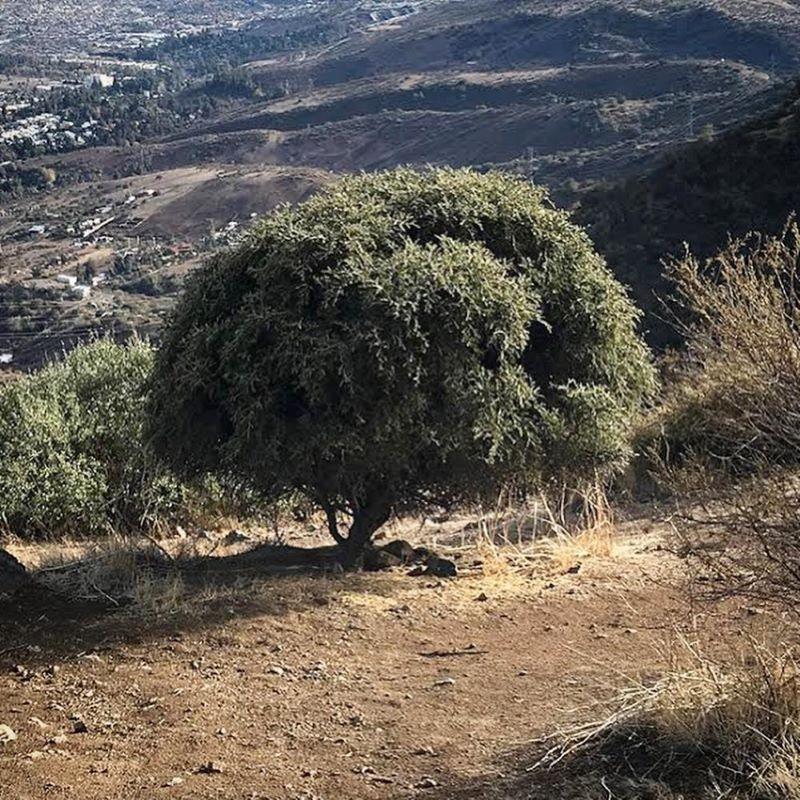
(402, 339)
(72, 459)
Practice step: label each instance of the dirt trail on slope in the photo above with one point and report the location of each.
(332, 688)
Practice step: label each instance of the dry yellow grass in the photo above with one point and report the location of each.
(510, 551)
(702, 729)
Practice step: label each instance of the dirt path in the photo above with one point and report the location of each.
(335, 688)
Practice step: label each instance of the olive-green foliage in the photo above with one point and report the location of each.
(71, 454)
(402, 339)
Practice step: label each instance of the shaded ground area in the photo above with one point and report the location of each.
(341, 686)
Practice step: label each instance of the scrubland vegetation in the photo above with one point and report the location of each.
(422, 343)
(74, 460)
(722, 445)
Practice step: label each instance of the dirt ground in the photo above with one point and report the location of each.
(338, 687)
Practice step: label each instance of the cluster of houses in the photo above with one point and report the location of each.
(89, 228)
(49, 132)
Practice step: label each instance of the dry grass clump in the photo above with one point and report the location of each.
(120, 573)
(140, 575)
(702, 730)
(726, 441)
(552, 530)
(743, 538)
(733, 400)
(591, 534)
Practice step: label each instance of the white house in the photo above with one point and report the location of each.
(98, 80)
(81, 292)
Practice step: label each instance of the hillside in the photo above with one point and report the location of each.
(570, 94)
(373, 687)
(562, 92)
(744, 180)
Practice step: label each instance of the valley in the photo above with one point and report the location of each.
(172, 125)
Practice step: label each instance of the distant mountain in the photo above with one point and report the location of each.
(565, 91)
(744, 180)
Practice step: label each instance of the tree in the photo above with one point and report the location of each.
(401, 341)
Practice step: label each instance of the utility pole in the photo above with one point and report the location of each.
(530, 170)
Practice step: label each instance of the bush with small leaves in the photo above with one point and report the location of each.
(71, 453)
(734, 398)
(400, 341)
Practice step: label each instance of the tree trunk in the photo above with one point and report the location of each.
(366, 522)
(13, 575)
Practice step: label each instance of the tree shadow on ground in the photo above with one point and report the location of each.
(39, 626)
(632, 763)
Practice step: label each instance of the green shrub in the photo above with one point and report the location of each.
(72, 459)
(402, 340)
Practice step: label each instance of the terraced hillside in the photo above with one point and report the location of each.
(563, 92)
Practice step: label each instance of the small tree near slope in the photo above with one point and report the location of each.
(403, 340)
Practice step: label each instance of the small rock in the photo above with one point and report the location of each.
(279, 671)
(7, 735)
(574, 570)
(426, 783)
(176, 781)
(13, 575)
(445, 682)
(23, 673)
(79, 724)
(482, 598)
(441, 567)
(211, 768)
